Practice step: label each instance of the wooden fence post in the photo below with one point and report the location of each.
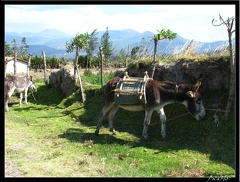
(29, 63)
(15, 63)
(101, 56)
(6, 62)
(44, 63)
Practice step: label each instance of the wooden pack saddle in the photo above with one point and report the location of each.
(130, 92)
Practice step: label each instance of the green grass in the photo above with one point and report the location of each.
(56, 139)
(95, 79)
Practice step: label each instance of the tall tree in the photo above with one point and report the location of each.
(7, 52)
(106, 45)
(134, 52)
(23, 47)
(122, 54)
(229, 24)
(19, 50)
(79, 42)
(93, 42)
(7, 49)
(161, 35)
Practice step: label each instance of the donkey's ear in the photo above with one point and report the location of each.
(197, 85)
(190, 94)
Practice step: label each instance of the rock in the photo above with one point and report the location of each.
(63, 78)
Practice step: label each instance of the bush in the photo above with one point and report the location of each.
(87, 73)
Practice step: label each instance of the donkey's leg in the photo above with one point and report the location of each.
(25, 96)
(111, 116)
(148, 114)
(163, 124)
(104, 111)
(8, 93)
(20, 99)
(6, 98)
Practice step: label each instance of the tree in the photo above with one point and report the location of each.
(79, 42)
(134, 52)
(143, 48)
(63, 61)
(23, 47)
(106, 45)
(36, 62)
(229, 24)
(7, 49)
(7, 52)
(161, 35)
(18, 50)
(122, 56)
(93, 42)
(52, 62)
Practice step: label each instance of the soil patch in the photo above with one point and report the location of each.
(11, 169)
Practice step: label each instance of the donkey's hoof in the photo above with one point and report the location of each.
(114, 132)
(146, 137)
(96, 132)
(164, 139)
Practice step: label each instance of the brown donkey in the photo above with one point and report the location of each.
(158, 94)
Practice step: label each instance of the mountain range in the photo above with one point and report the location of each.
(53, 42)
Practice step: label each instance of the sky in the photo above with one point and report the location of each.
(188, 21)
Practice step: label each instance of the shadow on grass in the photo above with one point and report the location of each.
(183, 133)
(46, 95)
(77, 135)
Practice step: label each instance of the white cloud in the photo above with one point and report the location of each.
(189, 21)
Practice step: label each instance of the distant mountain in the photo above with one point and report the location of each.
(53, 42)
(49, 51)
(119, 34)
(53, 34)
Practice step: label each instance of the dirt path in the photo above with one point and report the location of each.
(11, 170)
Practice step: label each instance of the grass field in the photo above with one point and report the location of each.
(56, 139)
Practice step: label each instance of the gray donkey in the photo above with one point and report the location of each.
(20, 83)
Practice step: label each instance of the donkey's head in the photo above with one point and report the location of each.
(32, 85)
(194, 103)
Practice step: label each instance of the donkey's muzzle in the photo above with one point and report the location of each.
(34, 89)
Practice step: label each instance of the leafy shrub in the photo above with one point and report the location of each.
(88, 73)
